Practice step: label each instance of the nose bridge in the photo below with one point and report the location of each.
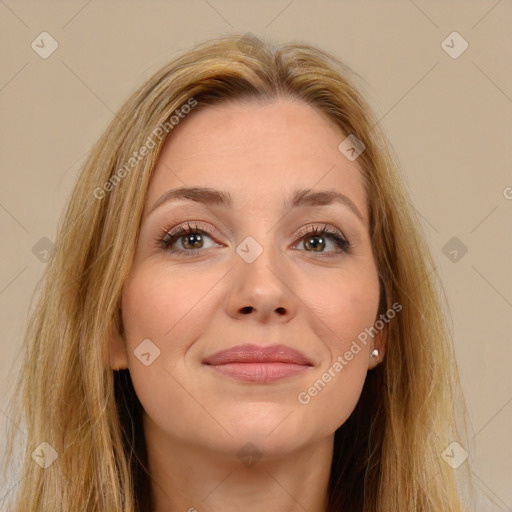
(259, 259)
(261, 277)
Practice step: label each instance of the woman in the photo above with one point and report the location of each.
(241, 311)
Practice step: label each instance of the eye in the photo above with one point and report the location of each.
(192, 238)
(315, 239)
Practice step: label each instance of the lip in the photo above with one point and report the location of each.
(255, 363)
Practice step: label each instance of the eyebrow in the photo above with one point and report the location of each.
(211, 196)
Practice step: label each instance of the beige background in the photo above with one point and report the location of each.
(450, 121)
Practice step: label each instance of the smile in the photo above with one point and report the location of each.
(258, 364)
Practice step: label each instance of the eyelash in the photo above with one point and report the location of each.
(169, 237)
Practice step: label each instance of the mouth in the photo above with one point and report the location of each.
(258, 364)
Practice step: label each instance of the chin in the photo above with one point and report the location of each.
(276, 430)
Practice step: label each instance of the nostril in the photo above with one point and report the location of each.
(281, 311)
(247, 309)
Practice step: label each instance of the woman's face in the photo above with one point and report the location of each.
(251, 273)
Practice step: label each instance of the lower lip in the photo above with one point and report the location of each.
(259, 372)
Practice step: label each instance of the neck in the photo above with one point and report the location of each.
(187, 478)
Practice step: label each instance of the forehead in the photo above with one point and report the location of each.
(259, 152)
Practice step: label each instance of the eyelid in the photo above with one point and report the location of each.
(304, 231)
(165, 240)
(342, 242)
(182, 227)
(320, 226)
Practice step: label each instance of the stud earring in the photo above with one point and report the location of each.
(375, 353)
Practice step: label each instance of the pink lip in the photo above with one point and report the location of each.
(253, 363)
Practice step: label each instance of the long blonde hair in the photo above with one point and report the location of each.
(387, 455)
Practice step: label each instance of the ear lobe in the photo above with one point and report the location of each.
(117, 351)
(379, 343)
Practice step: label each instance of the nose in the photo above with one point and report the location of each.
(262, 289)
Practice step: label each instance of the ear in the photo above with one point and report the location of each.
(379, 343)
(117, 351)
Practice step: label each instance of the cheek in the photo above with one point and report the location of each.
(156, 308)
(345, 306)
(144, 303)
(171, 309)
(356, 310)
(158, 305)
(343, 309)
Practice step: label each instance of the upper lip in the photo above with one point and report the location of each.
(258, 354)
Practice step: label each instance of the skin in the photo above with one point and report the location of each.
(190, 307)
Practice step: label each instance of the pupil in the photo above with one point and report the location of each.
(190, 239)
(316, 246)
